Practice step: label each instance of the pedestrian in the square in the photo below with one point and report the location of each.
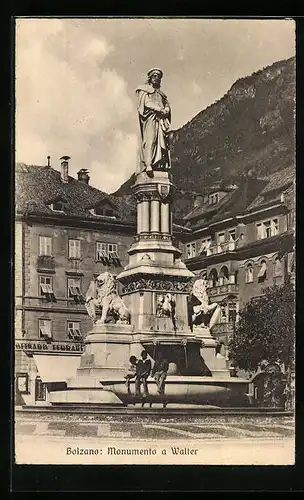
(142, 373)
(131, 372)
(159, 372)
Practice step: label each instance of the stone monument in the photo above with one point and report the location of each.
(152, 310)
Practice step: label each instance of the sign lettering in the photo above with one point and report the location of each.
(34, 346)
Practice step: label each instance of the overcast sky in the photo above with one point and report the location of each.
(76, 80)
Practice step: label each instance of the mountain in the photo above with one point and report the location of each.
(250, 129)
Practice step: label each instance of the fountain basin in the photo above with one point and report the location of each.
(187, 389)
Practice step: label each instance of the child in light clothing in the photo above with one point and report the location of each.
(131, 372)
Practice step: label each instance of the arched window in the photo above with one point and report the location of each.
(262, 275)
(249, 274)
(277, 267)
(224, 276)
(213, 278)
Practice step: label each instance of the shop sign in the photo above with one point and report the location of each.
(55, 347)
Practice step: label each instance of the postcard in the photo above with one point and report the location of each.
(154, 241)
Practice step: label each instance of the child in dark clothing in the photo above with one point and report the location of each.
(142, 373)
(159, 372)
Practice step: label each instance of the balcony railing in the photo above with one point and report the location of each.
(45, 263)
(223, 328)
(74, 266)
(226, 246)
(223, 289)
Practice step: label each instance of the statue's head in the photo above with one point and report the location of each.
(104, 278)
(106, 284)
(154, 77)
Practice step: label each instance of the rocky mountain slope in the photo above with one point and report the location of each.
(250, 129)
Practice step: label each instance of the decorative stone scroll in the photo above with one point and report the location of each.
(155, 284)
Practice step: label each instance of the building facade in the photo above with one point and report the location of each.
(66, 233)
(243, 240)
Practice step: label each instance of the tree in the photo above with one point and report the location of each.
(265, 331)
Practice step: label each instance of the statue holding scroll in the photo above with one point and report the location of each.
(154, 120)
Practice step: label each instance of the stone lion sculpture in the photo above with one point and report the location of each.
(102, 292)
(202, 310)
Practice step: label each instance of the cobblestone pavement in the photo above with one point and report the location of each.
(149, 427)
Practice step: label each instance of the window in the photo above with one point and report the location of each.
(103, 212)
(231, 312)
(113, 255)
(278, 267)
(45, 328)
(205, 245)
(112, 248)
(235, 277)
(22, 383)
(220, 238)
(101, 252)
(223, 318)
(107, 253)
(231, 233)
(262, 275)
(57, 206)
(213, 278)
(191, 250)
(249, 274)
(74, 290)
(40, 390)
(267, 229)
(45, 245)
(46, 288)
(224, 276)
(99, 210)
(213, 198)
(74, 249)
(74, 330)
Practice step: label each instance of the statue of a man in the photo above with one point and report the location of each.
(154, 119)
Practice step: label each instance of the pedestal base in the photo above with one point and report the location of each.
(215, 362)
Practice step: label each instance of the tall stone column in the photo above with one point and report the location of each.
(155, 216)
(145, 226)
(165, 218)
(139, 217)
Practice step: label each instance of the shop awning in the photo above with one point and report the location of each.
(52, 368)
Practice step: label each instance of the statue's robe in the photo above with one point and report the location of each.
(154, 128)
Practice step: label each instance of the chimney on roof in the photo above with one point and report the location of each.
(83, 175)
(65, 168)
(48, 161)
